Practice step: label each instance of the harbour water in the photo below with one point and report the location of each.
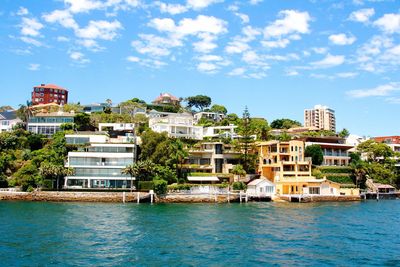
(251, 234)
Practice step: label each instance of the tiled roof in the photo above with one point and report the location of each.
(8, 115)
(166, 95)
(51, 86)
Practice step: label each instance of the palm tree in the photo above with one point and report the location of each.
(52, 171)
(179, 155)
(141, 170)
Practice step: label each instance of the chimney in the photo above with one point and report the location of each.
(42, 84)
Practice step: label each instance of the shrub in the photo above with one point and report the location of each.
(239, 186)
(341, 179)
(3, 181)
(146, 185)
(160, 187)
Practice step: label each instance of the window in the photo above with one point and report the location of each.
(314, 191)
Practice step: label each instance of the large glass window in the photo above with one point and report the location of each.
(84, 161)
(95, 172)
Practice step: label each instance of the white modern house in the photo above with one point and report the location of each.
(49, 123)
(214, 116)
(99, 164)
(179, 125)
(221, 131)
(117, 126)
(8, 119)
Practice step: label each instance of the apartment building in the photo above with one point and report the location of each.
(334, 149)
(178, 125)
(99, 164)
(49, 93)
(284, 164)
(213, 116)
(321, 117)
(220, 131)
(49, 123)
(212, 157)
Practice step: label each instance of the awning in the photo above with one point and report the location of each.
(203, 179)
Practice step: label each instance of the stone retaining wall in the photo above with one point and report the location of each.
(74, 196)
(200, 198)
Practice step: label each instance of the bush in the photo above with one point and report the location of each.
(160, 187)
(335, 169)
(239, 186)
(30, 189)
(341, 179)
(3, 181)
(146, 185)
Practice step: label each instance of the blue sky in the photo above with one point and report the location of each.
(276, 57)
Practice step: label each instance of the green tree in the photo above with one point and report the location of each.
(239, 170)
(315, 153)
(54, 172)
(143, 170)
(199, 101)
(284, 124)
(344, 133)
(178, 155)
(247, 141)
(160, 187)
(82, 122)
(218, 109)
(377, 152)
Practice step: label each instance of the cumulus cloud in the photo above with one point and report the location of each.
(30, 27)
(63, 17)
(78, 57)
(172, 9)
(237, 72)
(207, 67)
(100, 29)
(362, 15)
(381, 90)
(342, 39)
(389, 23)
(291, 24)
(329, 61)
(31, 41)
(200, 4)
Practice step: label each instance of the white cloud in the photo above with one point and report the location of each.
(381, 90)
(291, 22)
(78, 6)
(154, 45)
(389, 23)
(100, 29)
(31, 41)
(342, 39)
(236, 47)
(280, 43)
(393, 100)
(343, 75)
(62, 39)
(320, 50)
(362, 15)
(78, 57)
(133, 59)
(90, 44)
(207, 67)
(22, 11)
(30, 27)
(245, 18)
(172, 9)
(347, 74)
(34, 67)
(200, 4)
(237, 72)
(63, 17)
(329, 61)
(210, 58)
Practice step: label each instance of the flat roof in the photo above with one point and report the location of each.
(203, 179)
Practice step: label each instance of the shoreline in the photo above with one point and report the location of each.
(128, 197)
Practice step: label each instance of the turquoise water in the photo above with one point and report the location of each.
(259, 234)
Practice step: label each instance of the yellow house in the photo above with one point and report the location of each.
(284, 164)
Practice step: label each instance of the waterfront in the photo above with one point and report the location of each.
(354, 233)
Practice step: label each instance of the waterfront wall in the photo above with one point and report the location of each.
(74, 196)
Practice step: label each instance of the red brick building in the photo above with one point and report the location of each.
(388, 139)
(49, 93)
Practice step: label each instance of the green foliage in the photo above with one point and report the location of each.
(67, 126)
(27, 176)
(239, 186)
(377, 152)
(3, 181)
(238, 170)
(146, 185)
(165, 108)
(82, 122)
(341, 179)
(317, 173)
(199, 101)
(165, 173)
(316, 154)
(335, 169)
(319, 133)
(354, 157)
(283, 137)
(344, 133)
(160, 187)
(75, 107)
(285, 124)
(218, 109)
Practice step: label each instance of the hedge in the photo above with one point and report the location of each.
(335, 169)
(341, 179)
(146, 185)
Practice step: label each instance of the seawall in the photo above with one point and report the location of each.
(74, 196)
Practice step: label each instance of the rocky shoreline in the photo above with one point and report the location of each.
(120, 197)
